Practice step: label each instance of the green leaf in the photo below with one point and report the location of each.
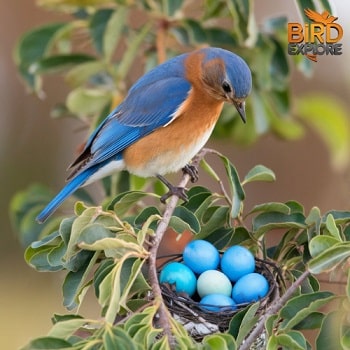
(301, 306)
(31, 47)
(65, 329)
(137, 183)
(114, 289)
(145, 214)
(113, 31)
(74, 281)
(84, 219)
(59, 318)
(65, 229)
(132, 51)
(215, 217)
(242, 15)
(161, 344)
(312, 321)
(101, 272)
(345, 339)
(291, 340)
(58, 62)
(261, 119)
(94, 232)
(84, 72)
(55, 256)
(83, 101)
(47, 343)
(272, 343)
(271, 220)
(329, 118)
(279, 67)
(330, 258)
(237, 191)
(340, 216)
(24, 207)
(304, 4)
(38, 259)
(319, 244)
(209, 170)
(329, 336)
(219, 37)
(259, 173)
(223, 237)
(118, 338)
(332, 227)
(309, 285)
(249, 321)
(98, 24)
(195, 31)
(114, 247)
(220, 341)
(271, 207)
(201, 205)
(184, 220)
(50, 240)
(327, 6)
(314, 216)
(124, 201)
(271, 324)
(172, 6)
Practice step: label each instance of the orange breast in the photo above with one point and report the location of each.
(170, 148)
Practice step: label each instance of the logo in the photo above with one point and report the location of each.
(319, 37)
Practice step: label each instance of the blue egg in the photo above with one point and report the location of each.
(213, 282)
(217, 302)
(200, 256)
(250, 288)
(236, 262)
(179, 275)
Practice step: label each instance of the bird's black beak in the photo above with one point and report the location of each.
(240, 106)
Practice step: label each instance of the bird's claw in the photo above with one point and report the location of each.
(191, 170)
(175, 191)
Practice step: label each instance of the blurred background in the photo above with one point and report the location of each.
(36, 149)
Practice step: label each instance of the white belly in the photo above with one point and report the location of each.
(108, 169)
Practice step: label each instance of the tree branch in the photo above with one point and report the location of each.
(164, 315)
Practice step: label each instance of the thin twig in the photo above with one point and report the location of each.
(164, 315)
(161, 40)
(272, 309)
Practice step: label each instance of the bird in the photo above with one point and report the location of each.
(165, 119)
(324, 18)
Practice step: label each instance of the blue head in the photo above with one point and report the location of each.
(227, 77)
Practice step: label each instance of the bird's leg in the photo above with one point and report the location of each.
(191, 170)
(173, 190)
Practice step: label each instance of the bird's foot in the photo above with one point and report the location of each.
(173, 191)
(177, 191)
(191, 170)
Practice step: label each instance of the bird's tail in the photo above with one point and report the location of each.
(66, 191)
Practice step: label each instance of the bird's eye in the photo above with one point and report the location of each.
(226, 86)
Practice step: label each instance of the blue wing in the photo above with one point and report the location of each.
(151, 103)
(146, 108)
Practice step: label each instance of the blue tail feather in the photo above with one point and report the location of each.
(66, 191)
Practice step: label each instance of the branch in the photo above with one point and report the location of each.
(274, 308)
(164, 315)
(161, 40)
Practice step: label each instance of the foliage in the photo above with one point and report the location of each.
(107, 248)
(103, 42)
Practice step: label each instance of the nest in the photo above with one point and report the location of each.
(199, 321)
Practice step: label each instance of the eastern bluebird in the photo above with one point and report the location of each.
(166, 118)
